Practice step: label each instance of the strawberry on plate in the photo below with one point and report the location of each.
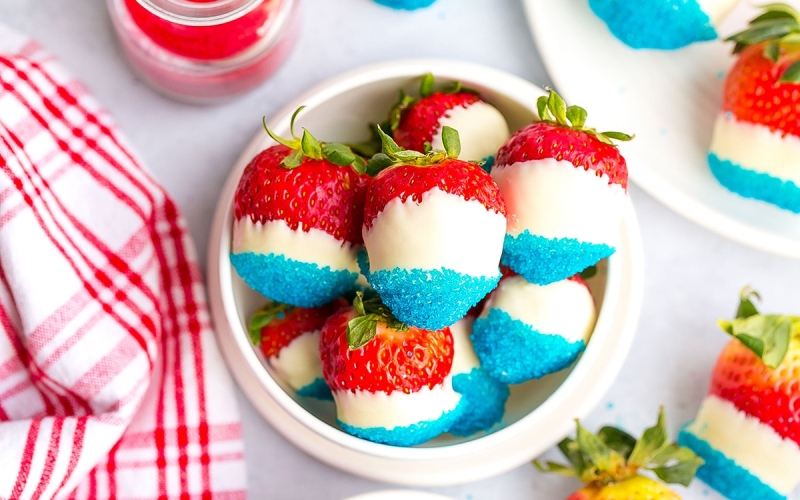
(609, 464)
(748, 427)
(418, 124)
(391, 382)
(297, 220)
(756, 144)
(433, 232)
(565, 187)
(289, 338)
(527, 331)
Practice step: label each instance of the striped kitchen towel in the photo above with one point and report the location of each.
(111, 384)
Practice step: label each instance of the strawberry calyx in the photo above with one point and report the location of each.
(552, 109)
(392, 154)
(370, 313)
(427, 88)
(613, 456)
(307, 146)
(263, 317)
(767, 335)
(777, 27)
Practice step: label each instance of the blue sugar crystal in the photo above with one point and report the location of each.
(317, 389)
(483, 400)
(655, 24)
(406, 4)
(513, 352)
(411, 435)
(756, 185)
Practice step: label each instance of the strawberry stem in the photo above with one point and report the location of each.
(553, 109)
(369, 313)
(778, 25)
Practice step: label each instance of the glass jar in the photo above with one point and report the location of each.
(205, 51)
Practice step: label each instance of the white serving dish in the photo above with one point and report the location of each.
(539, 413)
(398, 495)
(670, 99)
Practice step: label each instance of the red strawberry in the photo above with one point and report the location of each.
(433, 231)
(763, 87)
(417, 124)
(298, 212)
(289, 338)
(609, 462)
(768, 388)
(364, 348)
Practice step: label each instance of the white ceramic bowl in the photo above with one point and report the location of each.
(538, 413)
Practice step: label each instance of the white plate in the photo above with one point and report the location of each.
(669, 100)
(399, 495)
(538, 413)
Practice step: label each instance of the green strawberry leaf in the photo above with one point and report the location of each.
(773, 51)
(598, 454)
(767, 30)
(338, 154)
(652, 442)
(358, 304)
(768, 336)
(408, 155)
(263, 317)
(388, 146)
(558, 107)
(792, 73)
(746, 306)
(427, 84)
(359, 165)
(577, 116)
(311, 146)
(378, 163)
(780, 7)
(396, 113)
(554, 468)
(569, 447)
(676, 465)
(588, 273)
(289, 143)
(541, 106)
(294, 117)
(619, 136)
(293, 159)
(361, 330)
(451, 141)
(770, 15)
(618, 440)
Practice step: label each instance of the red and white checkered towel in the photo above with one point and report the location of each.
(111, 385)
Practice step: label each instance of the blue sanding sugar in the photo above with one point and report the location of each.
(757, 185)
(483, 399)
(655, 24)
(724, 475)
(411, 435)
(317, 389)
(430, 299)
(488, 163)
(292, 282)
(513, 352)
(406, 4)
(543, 260)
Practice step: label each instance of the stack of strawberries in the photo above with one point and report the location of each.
(382, 262)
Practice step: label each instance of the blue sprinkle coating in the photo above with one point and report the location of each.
(724, 475)
(411, 435)
(317, 389)
(406, 4)
(513, 352)
(430, 299)
(483, 399)
(542, 260)
(756, 185)
(655, 24)
(488, 163)
(300, 284)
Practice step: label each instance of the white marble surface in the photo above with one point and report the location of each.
(692, 276)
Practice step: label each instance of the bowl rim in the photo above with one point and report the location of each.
(592, 375)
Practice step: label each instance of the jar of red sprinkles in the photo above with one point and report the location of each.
(205, 51)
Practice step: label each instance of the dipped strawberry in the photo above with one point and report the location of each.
(390, 381)
(418, 124)
(527, 331)
(565, 188)
(483, 398)
(609, 464)
(756, 144)
(662, 24)
(297, 221)
(748, 427)
(433, 231)
(289, 338)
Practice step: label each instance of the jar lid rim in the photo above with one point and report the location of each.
(196, 13)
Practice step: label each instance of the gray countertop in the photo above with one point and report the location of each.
(692, 276)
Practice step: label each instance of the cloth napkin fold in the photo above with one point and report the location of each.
(111, 385)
